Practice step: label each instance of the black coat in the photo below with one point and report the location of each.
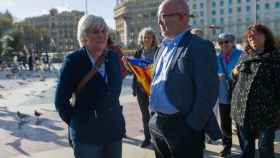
(256, 96)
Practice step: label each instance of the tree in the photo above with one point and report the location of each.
(6, 22)
(6, 53)
(277, 40)
(115, 36)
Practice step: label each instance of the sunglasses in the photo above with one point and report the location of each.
(223, 42)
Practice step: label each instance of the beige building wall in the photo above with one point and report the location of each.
(234, 15)
(62, 28)
(133, 15)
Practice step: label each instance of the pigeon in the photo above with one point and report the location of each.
(21, 115)
(37, 113)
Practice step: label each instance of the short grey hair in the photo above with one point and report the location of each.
(86, 23)
(141, 35)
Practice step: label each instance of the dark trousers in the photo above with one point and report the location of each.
(226, 124)
(247, 137)
(113, 150)
(173, 138)
(143, 101)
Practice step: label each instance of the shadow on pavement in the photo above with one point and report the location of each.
(136, 142)
(30, 128)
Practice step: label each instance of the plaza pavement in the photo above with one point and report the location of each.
(45, 137)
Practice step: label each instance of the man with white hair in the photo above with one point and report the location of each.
(184, 88)
(92, 73)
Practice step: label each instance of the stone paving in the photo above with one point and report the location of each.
(45, 136)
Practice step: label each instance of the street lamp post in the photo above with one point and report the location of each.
(86, 7)
(256, 11)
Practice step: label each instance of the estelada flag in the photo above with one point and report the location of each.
(142, 69)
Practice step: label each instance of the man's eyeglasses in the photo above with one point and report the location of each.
(223, 42)
(171, 14)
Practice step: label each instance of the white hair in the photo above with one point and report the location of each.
(86, 23)
(142, 33)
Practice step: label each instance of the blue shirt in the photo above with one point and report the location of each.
(101, 70)
(158, 99)
(228, 67)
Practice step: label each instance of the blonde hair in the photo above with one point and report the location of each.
(142, 33)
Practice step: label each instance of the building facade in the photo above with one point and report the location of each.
(212, 16)
(216, 16)
(62, 28)
(133, 15)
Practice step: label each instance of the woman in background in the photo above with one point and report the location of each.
(148, 45)
(256, 96)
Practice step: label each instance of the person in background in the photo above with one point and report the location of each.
(148, 44)
(198, 32)
(184, 89)
(95, 119)
(227, 59)
(256, 96)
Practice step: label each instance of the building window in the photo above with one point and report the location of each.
(248, 19)
(238, 1)
(213, 4)
(213, 12)
(248, 0)
(258, 7)
(213, 21)
(221, 3)
(277, 5)
(238, 9)
(222, 11)
(194, 22)
(194, 6)
(201, 5)
(248, 8)
(201, 21)
(229, 1)
(222, 21)
(230, 10)
(201, 13)
(267, 6)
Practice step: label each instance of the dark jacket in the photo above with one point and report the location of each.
(256, 96)
(192, 83)
(96, 116)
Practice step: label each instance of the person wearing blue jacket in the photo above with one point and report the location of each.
(227, 59)
(95, 119)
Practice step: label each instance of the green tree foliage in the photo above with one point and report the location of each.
(115, 36)
(6, 22)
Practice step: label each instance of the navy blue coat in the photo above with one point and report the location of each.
(192, 83)
(96, 116)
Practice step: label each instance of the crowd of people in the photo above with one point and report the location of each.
(189, 78)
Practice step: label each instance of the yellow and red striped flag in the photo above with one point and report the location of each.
(142, 69)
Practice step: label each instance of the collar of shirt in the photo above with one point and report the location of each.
(101, 69)
(90, 57)
(174, 42)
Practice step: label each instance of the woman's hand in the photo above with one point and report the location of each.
(236, 71)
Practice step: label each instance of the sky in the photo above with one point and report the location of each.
(28, 8)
